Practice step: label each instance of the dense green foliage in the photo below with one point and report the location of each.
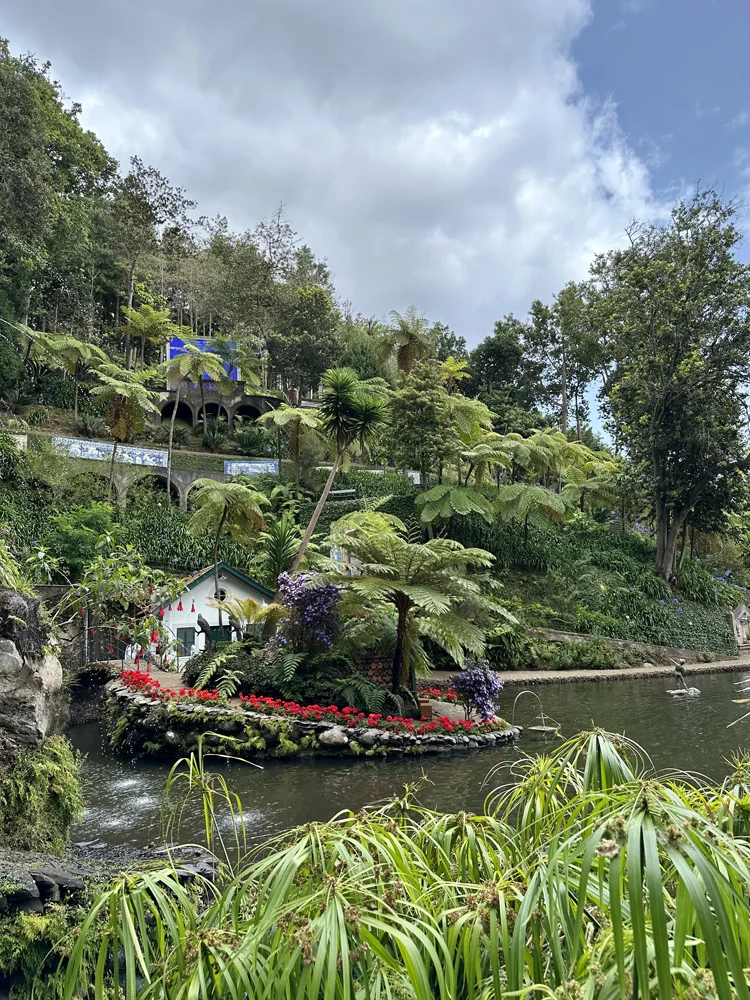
(40, 795)
(585, 876)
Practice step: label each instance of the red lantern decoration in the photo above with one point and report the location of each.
(170, 607)
(150, 590)
(122, 596)
(161, 612)
(92, 631)
(111, 649)
(154, 636)
(179, 606)
(81, 611)
(192, 608)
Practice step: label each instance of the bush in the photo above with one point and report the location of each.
(478, 688)
(588, 654)
(92, 425)
(699, 584)
(179, 438)
(215, 433)
(36, 415)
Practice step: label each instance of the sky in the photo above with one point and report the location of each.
(461, 156)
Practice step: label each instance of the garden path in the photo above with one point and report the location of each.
(529, 678)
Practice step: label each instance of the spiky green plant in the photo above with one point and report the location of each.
(587, 877)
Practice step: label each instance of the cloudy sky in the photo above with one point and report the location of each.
(464, 156)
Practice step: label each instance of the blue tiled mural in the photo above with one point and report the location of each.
(100, 451)
(252, 468)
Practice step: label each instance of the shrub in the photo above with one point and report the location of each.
(313, 620)
(478, 688)
(587, 654)
(92, 425)
(179, 438)
(215, 433)
(36, 415)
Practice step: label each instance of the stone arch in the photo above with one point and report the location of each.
(184, 412)
(217, 410)
(248, 411)
(156, 480)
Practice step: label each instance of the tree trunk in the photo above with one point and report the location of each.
(296, 431)
(112, 468)
(564, 395)
(316, 514)
(169, 445)
(131, 290)
(683, 546)
(203, 402)
(398, 655)
(75, 401)
(222, 519)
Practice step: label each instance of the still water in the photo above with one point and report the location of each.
(124, 797)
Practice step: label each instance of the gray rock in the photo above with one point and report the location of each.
(32, 700)
(334, 737)
(369, 737)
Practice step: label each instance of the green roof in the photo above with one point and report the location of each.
(230, 571)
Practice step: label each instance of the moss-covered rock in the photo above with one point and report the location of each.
(40, 794)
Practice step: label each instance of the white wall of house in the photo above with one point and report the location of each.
(201, 593)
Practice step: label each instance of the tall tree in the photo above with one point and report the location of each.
(409, 339)
(351, 413)
(428, 584)
(144, 203)
(192, 367)
(295, 420)
(127, 401)
(305, 343)
(422, 434)
(230, 507)
(149, 324)
(449, 344)
(675, 303)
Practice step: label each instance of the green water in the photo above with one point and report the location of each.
(124, 796)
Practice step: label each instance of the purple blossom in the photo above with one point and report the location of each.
(478, 687)
(313, 620)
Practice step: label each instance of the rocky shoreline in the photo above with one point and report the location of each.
(150, 726)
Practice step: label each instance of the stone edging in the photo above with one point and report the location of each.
(532, 678)
(178, 724)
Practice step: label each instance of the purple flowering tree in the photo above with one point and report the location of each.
(312, 624)
(478, 688)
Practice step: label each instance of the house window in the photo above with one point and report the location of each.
(220, 595)
(185, 640)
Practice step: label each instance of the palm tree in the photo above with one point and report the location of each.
(233, 507)
(293, 419)
(351, 413)
(149, 324)
(127, 402)
(76, 357)
(427, 584)
(280, 543)
(527, 502)
(189, 368)
(409, 338)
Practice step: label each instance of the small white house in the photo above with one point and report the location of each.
(181, 616)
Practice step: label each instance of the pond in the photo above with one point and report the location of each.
(124, 796)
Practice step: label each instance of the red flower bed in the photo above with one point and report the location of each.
(439, 694)
(352, 718)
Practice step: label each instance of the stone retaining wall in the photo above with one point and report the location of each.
(138, 724)
(651, 653)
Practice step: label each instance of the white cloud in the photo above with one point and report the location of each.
(437, 154)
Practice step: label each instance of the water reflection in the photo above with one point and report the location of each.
(124, 797)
